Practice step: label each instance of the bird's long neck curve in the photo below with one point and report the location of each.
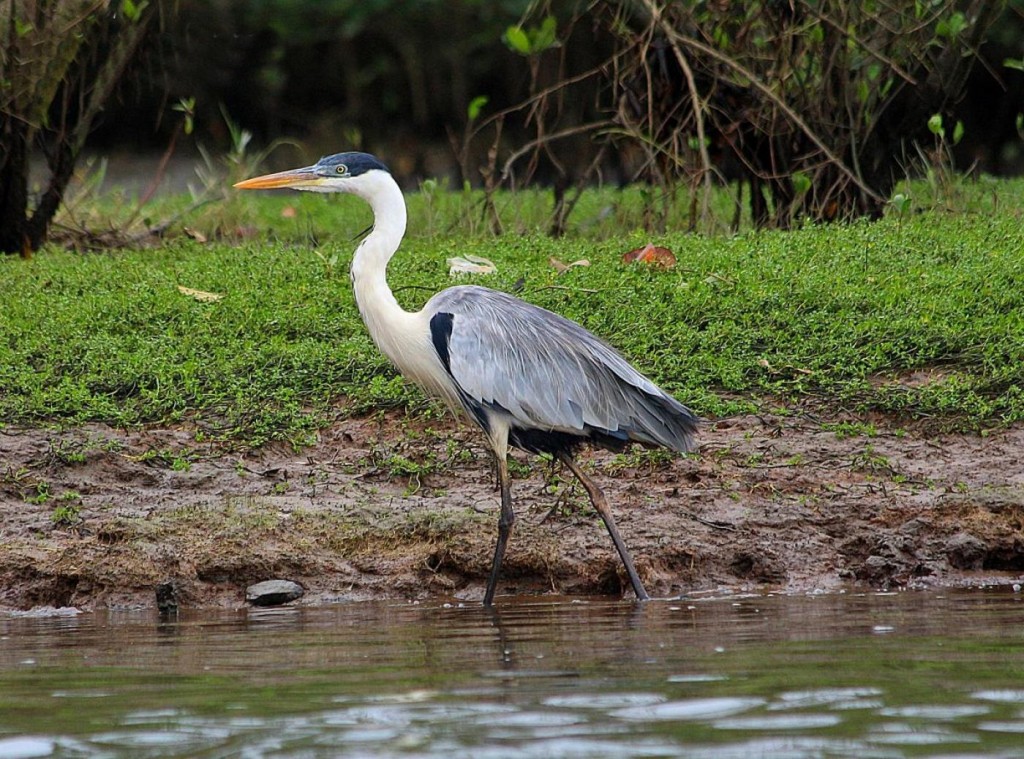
(377, 305)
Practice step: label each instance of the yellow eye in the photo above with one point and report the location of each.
(341, 168)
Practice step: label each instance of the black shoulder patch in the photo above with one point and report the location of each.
(441, 335)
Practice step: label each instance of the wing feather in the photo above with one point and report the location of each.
(549, 373)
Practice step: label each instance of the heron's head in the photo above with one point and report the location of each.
(342, 172)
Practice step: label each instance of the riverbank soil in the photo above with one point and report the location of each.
(405, 507)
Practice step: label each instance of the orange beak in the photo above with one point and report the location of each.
(295, 179)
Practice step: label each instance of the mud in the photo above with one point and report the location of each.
(405, 507)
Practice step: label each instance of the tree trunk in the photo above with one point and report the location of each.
(104, 45)
(13, 187)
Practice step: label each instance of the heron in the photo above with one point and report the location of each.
(527, 377)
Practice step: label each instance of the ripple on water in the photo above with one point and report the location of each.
(778, 722)
(81, 694)
(903, 734)
(370, 734)
(372, 714)
(791, 747)
(833, 697)
(1003, 696)
(696, 678)
(533, 719)
(604, 701)
(145, 717)
(689, 709)
(571, 747)
(26, 747)
(936, 712)
(155, 738)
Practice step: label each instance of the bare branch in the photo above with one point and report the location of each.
(672, 34)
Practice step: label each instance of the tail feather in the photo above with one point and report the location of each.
(666, 422)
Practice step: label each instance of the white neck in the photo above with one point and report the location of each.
(384, 318)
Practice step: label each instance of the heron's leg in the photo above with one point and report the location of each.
(601, 505)
(505, 522)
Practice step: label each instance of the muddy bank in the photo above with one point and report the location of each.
(405, 507)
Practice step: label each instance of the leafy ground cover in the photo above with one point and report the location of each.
(920, 314)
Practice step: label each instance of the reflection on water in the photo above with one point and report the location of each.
(871, 675)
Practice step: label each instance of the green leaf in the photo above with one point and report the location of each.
(950, 28)
(957, 23)
(899, 201)
(958, 132)
(475, 106)
(862, 91)
(517, 40)
(544, 37)
(935, 125)
(187, 106)
(21, 28)
(801, 183)
(535, 40)
(131, 10)
(1014, 63)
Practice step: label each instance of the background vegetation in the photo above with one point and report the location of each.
(810, 109)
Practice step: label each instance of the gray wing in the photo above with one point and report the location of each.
(548, 372)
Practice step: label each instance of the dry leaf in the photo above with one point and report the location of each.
(563, 267)
(470, 264)
(288, 212)
(650, 254)
(200, 295)
(195, 234)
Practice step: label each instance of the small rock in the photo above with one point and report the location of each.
(876, 569)
(964, 551)
(915, 526)
(273, 592)
(167, 597)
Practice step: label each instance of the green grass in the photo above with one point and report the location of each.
(922, 316)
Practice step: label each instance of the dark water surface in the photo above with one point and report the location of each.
(847, 675)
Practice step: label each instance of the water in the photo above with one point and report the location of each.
(848, 675)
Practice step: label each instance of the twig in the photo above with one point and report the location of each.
(698, 113)
(161, 171)
(711, 522)
(490, 185)
(544, 139)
